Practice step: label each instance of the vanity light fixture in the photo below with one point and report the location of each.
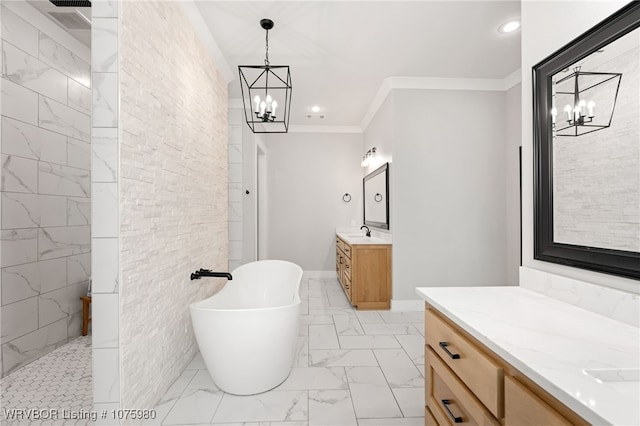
(266, 92)
(577, 92)
(366, 158)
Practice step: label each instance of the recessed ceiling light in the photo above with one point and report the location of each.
(509, 27)
(315, 108)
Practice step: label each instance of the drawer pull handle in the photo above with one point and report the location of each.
(445, 404)
(444, 345)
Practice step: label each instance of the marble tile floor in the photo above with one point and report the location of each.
(352, 368)
(59, 382)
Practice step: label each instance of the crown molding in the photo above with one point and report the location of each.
(407, 83)
(434, 83)
(512, 79)
(202, 30)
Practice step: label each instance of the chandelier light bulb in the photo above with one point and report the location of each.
(269, 100)
(263, 107)
(576, 112)
(582, 105)
(274, 105)
(554, 113)
(590, 106)
(568, 110)
(257, 102)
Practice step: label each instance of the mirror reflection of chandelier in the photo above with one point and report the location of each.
(580, 93)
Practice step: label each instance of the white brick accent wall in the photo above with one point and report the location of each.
(173, 193)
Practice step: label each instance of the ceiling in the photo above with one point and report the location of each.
(340, 52)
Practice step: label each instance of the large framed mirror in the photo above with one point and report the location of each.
(376, 197)
(587, 149)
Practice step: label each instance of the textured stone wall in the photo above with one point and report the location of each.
(46, 120)
(173, 192)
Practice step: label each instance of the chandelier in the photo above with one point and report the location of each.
(578, 93)
(266, 92)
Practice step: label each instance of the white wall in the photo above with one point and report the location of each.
(547, 26)
(513, 138)
(380, 134)
(252, 143)
(448, 190)
(307, 175)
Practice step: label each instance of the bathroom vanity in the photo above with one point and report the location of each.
(508, 355)
(363, 266)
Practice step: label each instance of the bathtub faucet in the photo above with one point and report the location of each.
(209, 273)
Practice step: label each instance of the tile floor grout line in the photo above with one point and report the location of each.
(217, 406)
(389, 384)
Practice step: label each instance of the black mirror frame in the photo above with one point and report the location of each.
(616, 262)
(384, 168)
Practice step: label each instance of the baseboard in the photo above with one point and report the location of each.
(407, 305)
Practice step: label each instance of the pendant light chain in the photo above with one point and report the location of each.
(266, 58)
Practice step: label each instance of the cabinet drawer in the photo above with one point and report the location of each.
(347, 267)
(347, 249)
(346, 285)
(479, 372)
(339, 244)
(524, 408)
(449, 399)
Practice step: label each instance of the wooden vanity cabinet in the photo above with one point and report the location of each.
(364, 271)
(466, 383)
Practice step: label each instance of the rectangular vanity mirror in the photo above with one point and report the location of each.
(376, 197)
(587, 149)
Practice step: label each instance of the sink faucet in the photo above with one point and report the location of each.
(368, 230)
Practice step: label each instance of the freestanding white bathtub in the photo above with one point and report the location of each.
(248, 331)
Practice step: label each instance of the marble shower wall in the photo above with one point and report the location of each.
(45, 191)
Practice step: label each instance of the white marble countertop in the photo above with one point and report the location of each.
(552, 343)
(355, 238)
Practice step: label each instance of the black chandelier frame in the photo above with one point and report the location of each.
(585, 120)
(258, 87)
(255, 81)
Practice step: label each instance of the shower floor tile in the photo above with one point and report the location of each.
(59, 384)
(352, 368)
